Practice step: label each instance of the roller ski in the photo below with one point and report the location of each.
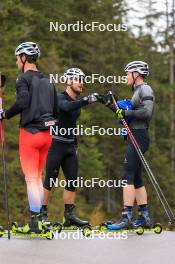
(124, 224)
(105, 228)
(111, 227)
(35, 228)
(142, 224)
(70, 221)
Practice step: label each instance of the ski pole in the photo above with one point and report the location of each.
(2, 136)
(152, 178)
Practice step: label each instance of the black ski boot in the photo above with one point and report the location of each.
(70, 219)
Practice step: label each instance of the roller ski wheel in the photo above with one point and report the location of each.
(48, 234)
(139, 230)
(58, 227)
(87, 230)
(157, 228)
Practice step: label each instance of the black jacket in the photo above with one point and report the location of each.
(36, 100)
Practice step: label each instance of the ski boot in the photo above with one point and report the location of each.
(70, 221)
(124, 222)
(34, 225)
(144, 219)
(34, 228)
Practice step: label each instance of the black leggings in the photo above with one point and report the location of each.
(132, 162)
(64, 155)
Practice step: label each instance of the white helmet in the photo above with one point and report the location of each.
(74, 73)
(28, 48)
(137, 66)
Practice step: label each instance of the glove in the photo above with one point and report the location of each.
(106, 99)
(100, 98)
(2, 114)
(2, 80)
(120, 113)
(92, 98)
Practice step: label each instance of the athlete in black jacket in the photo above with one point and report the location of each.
(63, 150)
(36, 102)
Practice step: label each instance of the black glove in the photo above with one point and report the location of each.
(2, 80)
(106, 99)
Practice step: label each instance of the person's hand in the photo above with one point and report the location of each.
(106, 99)
(92, 98)
(2, 80)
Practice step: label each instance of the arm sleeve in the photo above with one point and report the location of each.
(68, 106)
(22, 98)
(147, 100)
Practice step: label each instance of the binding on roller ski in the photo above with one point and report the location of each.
(70, 221)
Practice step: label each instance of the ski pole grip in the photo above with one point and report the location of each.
(113, 100)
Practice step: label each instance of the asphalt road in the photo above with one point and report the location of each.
(73, 248)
